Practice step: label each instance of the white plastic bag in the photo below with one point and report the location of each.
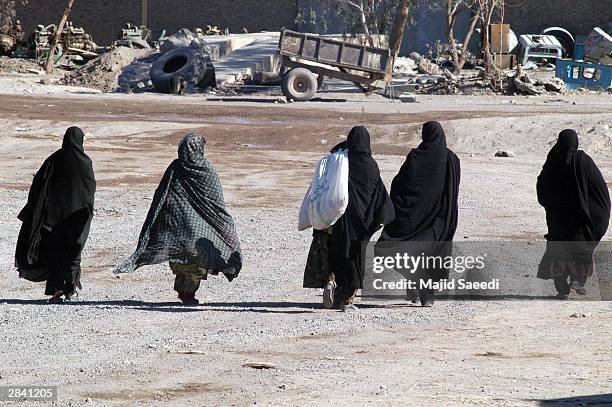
(327, 197)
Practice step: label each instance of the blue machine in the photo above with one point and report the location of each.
(584, 75)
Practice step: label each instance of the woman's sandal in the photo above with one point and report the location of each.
(329, 294)
(57, 298)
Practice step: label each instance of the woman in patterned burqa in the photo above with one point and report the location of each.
(187, 224)
(56, 219)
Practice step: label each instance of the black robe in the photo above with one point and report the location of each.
(425, 196)
(576, 198)
(343, 251)
(57, 216)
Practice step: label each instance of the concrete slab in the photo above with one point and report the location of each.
(258, 56)
(222, 45)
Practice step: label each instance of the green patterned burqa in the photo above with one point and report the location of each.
(187, 222)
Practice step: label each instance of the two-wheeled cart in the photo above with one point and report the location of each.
(307, 59)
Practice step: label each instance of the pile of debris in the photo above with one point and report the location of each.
(129, 69)
(103, 73)
(183, 38)
(419, 74)
(522, 84)
(18, 65)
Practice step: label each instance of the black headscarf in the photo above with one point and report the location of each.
(64, 185)
(369, 206)
(187, 222)
(425, 191)
(574, 193)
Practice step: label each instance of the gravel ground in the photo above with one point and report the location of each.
(126, 341)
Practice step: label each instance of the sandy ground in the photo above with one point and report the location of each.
(127, 342)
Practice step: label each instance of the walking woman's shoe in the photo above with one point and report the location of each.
(427, 303)
(579, 288)
(412, 296)
(71, 296)
(562, 297)
(188, 298)
(328, 294)
(348, 307)
(57, 298)
(191, 301)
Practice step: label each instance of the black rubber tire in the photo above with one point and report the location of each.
(184, 62)
(299, 84)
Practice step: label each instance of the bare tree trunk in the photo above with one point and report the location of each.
(57, 36)
(464, 53)
(451, 14)
(399, 26)
(364, 25)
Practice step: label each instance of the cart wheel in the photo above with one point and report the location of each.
(299, 84)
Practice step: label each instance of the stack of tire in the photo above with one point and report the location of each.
(183, 69)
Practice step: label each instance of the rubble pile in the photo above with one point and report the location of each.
(183, 38)
(425, 66)
(103, 73)
(128, 69)
(404, 66)
(9, 65)
(421, 75)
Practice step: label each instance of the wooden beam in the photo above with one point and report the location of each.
(57, 36)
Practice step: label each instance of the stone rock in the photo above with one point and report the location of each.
(449, 75)
(554, 85)
(428, 68)
(259, 365)
(415, 56)
(405, 66)
(526, 88)
(504, 153)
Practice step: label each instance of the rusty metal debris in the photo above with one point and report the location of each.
(133, 36)
(75, 48)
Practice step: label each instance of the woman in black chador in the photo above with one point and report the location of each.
(577, 202)
(56, 219)
(336, 261)
(424, 194)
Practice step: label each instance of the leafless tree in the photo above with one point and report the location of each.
(453, 9)
(360, 7)
(368, 17)
(488, 10)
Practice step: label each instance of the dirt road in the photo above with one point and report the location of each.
(126, 342)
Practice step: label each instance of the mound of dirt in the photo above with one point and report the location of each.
(103, 72)
(8, 65)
